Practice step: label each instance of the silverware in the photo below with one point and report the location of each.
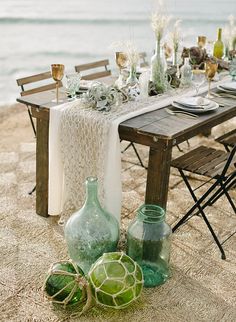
(191, 115)
(224, 95)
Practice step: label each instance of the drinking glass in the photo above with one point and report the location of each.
(198, 78)
(232, 69)
(121, 62)
(201, 41)
(211, 69)
(73, 83)
(57, 75)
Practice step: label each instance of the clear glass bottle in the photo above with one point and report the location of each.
(186, 73)
(91, 231)
(148, 243)
(218, 50)
(158, 69)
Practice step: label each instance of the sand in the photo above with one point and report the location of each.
(202, 286)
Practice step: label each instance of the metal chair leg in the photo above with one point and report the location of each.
(200, 208)
(32, 191)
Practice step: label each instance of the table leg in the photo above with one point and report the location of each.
(158, 173)
(42, 167)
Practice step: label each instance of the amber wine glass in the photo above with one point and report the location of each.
(57, 75)
(211, 69)
(201, 41)
(121, 62)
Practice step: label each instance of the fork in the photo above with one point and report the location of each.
(191, 115)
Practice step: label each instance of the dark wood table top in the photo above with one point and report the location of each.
(150, 127)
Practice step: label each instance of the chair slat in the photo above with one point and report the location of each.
(96, 75)
(40, 89)
(202, 160)
(100, 63)
(33, 78)
(206, 162)
(185, 159)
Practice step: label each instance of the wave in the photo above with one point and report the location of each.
(49, 21)
(97, 21)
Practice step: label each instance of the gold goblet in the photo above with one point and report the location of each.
(57, 75)
(121, 62)
(201, 41)
(211, 69)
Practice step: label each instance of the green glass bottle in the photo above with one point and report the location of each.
(148, 243)
(218, 51)
(91, 231)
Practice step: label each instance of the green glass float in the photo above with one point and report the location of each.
(116, 280)
(65, 284)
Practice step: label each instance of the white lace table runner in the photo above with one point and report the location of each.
(84, 142)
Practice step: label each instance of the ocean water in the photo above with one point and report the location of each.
(36, 33)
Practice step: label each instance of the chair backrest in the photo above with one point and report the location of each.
(102, 64)
(29, 80)
(143, 61)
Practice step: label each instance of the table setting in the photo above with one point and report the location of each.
(94, 111)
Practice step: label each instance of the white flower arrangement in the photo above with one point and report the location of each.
(159, 22)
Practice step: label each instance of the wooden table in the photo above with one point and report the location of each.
(158, 130)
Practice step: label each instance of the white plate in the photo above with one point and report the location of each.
(198, 110)
(231, 86)
(193, 101)
(233, 92)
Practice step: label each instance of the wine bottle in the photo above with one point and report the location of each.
(218, 51)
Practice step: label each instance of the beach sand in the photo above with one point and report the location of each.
(202, 286)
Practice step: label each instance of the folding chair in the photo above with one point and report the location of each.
(28, 81)
(214, 164)
(228, 139)
(101, 64)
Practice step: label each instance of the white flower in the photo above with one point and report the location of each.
(175, 35)
(159, 22)
(229, 32)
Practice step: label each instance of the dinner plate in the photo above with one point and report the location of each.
(193, 101)
(230, 86)
(198, 110)
(227, 90)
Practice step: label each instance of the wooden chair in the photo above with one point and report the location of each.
(101, 64)
(228, 140)
(216, 165)
(28, 81)
(143, 61)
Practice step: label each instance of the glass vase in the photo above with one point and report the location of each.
(132, 78)
(186, 73)
(158, 69)
(148, 243)
(91, 231)
(175, 57)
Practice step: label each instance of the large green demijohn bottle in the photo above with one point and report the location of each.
(218, 50)
(91, 231)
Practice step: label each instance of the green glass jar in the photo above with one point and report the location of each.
(148, 243)
(91, 231)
